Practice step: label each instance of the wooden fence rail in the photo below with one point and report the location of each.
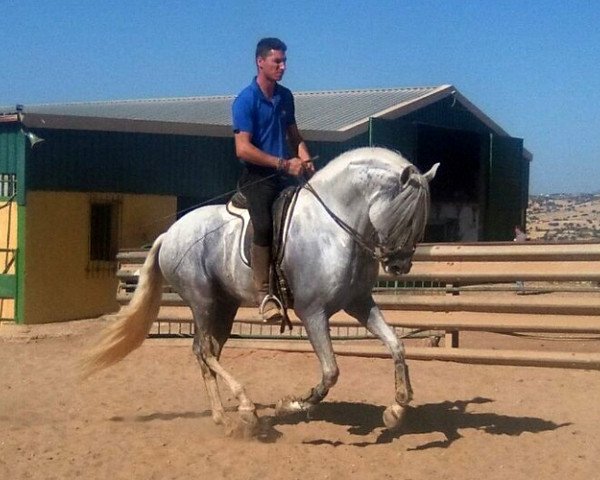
(453, 288)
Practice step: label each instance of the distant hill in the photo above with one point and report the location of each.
(564, 217)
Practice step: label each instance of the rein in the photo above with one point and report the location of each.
(378, 251)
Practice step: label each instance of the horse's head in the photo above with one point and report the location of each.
(387, 199)
(398, 213)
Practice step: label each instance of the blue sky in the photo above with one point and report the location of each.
(533, 67)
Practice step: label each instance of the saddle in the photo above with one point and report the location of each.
(282, 211)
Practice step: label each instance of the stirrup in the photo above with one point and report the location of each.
(261, 309)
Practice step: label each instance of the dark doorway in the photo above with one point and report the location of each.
(458, 151)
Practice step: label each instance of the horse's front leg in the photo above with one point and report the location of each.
(317, 329)
(369, 315)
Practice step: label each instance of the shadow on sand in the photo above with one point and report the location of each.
(446, 417)
(363, 419)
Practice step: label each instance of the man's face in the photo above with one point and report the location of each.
(272, 66)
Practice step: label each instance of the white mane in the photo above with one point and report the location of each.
(399, 192)
(360, 155)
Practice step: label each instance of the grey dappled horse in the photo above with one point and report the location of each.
(367, 206)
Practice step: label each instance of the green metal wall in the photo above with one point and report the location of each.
(13, 154)
(132, 163)
(506, 193)
(502, 170)
(399, 135)
(327, 151)
(11, 141)
(505, 171)
(448, 113)
(196, 169)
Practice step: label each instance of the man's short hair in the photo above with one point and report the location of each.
(265, 45)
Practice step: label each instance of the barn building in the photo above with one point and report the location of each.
(112, 175)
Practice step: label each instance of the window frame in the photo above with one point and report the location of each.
(104, 231)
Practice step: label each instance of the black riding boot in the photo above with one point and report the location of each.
(261, 263)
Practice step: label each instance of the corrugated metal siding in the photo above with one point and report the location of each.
(11, 148)
(197, 167)
(132, 163)
(505, 188)
(327, 151)
(398, 135)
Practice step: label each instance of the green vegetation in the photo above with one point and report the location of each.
(564, 218)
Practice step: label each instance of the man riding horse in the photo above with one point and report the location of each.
(268, 142)
(369, 206)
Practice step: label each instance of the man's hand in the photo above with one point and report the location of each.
(298, 167)
(309, 167)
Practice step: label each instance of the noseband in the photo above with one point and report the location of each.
(377, 250)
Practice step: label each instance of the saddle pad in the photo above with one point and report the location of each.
(247, 231)
(281, 215)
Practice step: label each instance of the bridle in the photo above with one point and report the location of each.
(377, 250)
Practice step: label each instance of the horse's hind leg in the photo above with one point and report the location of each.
(317, 329)
(210, 379)
(213, 326)
(369, 315)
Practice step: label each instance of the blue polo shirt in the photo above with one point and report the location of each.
(266, 120)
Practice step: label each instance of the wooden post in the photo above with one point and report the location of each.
(451, 339)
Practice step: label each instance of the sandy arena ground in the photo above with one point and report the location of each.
(148, 418)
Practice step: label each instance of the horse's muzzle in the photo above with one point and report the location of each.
(400, 262)
(397, 269)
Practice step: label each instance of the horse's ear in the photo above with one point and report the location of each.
(405, 176)
(431, 173)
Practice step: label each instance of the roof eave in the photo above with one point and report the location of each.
(9, 118)
(76, 122)
(399, 110)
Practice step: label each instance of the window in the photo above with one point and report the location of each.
(104, 226)
(8, 185)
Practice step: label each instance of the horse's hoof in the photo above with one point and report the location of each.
(393, 415)
(230, 427)
(249, 424)
(218, 418)
(245, 427)
(288, 406)
(249, 417)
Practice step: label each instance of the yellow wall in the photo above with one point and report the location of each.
(7, 308)
(8, 231)
(60, 282)
(8, 240)
(144, 217)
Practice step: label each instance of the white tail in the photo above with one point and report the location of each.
(130, 326)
